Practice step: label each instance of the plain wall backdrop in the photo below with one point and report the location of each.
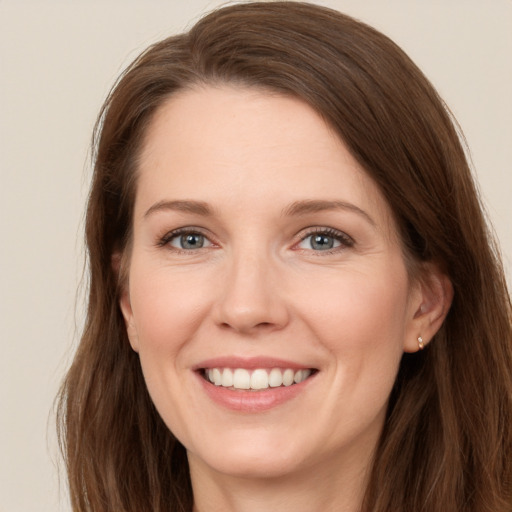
(58, 60)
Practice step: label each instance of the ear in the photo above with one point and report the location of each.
(124, 300)
(431, 298)
(126, 309)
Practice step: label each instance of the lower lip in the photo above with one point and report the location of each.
(252, 401)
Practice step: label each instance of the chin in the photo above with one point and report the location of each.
(251, 458)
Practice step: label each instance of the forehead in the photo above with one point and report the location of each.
(229, 122)
(226, 142)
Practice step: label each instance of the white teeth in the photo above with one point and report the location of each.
(240, 378)
(288, 376)
(275, 378)
(259, 379)
(227, 378)
(301, 375)
(217, 377)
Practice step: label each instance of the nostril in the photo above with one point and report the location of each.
(256, 327)
(251, 313)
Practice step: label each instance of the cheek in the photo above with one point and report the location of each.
(360, 309)
(364, 328)
(361, 320)
(167, 310)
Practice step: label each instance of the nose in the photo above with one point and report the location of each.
(252, 297)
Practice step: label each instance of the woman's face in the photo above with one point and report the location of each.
(262, 253)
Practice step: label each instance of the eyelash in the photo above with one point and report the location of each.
(345, 241)
(168, 237)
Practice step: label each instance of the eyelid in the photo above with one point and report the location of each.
(164, 240)
(346, 241)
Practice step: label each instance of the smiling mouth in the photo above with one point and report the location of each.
(256, 380)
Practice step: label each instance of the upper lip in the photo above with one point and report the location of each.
(249, 363)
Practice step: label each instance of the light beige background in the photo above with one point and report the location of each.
(58, 60)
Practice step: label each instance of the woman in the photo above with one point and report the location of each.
(294, 299)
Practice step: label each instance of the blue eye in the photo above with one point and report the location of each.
(325, 240)
(186, 240)
(322, 242)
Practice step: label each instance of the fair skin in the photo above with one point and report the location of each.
(260, 244)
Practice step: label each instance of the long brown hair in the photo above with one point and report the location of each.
(447, 441)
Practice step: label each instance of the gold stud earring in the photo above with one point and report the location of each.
(420, 343)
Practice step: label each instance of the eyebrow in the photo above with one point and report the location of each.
(319, 205)
(296, 208)
(197, 207)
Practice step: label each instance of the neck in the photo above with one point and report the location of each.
(326, 487)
